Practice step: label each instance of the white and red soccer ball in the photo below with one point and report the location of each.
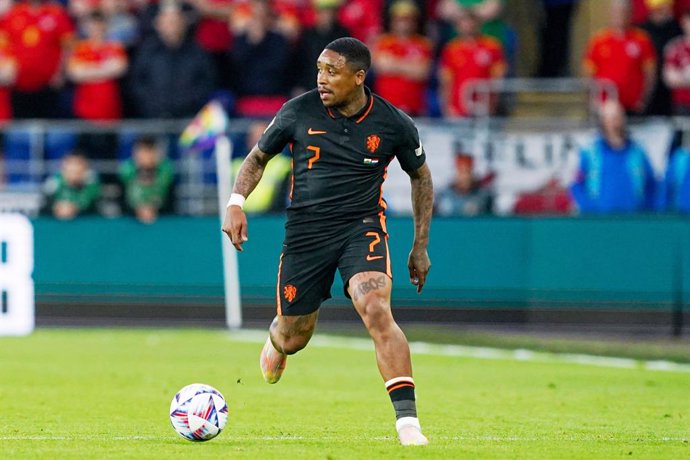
(198, 412)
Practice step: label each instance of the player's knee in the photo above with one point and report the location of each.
(291, 345)
(377, 314)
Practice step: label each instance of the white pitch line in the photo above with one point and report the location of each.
(464, 351)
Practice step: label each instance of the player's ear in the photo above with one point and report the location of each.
(360, 76)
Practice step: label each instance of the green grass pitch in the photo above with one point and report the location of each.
(105, 393)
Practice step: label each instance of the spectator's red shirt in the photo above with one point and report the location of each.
(36, 35)
(622, 58)
(213, 34)
(97, 100)
(677, 56)
(404, 93)
(362, 18)
(300, 11)
(465, 60)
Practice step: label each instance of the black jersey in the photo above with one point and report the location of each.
(339, 163)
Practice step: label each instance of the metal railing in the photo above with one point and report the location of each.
(31, 152)
(478, 95)
(524, 149)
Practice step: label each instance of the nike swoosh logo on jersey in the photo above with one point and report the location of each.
(370, 258)
(311, 132)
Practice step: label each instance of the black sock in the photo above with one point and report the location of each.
(401, 391)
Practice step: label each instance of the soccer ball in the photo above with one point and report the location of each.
(198, 412)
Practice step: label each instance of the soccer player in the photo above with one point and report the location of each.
(342, 138)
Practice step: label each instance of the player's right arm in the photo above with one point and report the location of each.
(253, 166)
(274, 139)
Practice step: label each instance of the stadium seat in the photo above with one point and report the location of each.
(125, 144)
(58, 143)
(17, 148)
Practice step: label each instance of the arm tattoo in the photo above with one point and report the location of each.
(422, 203)
(367, 286)
(251, 171)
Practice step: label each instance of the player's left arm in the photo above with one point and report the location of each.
(418, 261)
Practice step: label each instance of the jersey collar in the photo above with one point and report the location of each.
(359, 116)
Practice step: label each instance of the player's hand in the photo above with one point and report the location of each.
(419, 264)
(235, 226)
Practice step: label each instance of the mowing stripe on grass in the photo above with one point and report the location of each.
(425, 348)
(235, 437)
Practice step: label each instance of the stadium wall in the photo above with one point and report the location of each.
(635, 264)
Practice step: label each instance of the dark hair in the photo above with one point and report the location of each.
(354, 51)
(148, 142)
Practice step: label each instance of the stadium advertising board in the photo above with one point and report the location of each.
(16, 269)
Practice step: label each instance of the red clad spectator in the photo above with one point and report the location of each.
(8, 72)
(625, 56)
(402, 60)
(640, 9)
(466, 59)
(287, 16)
(550, 199)
(213, 34)
(293, 16)
(362, 18)
(95, 65)
(302, 10)
(38, 33)
(676, 69)
(213, 30)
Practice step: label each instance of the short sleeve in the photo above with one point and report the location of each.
(410, 152)
(280, 131)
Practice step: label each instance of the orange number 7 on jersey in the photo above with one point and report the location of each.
(315, 158)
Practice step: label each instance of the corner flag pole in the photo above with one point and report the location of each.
(231, 274)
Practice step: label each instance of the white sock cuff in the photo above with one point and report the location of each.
(398, 379)
(407, 421)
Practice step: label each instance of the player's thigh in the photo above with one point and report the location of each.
(366, 251)
(304, 281)
(371, 297)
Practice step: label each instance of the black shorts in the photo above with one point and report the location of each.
(305, 277)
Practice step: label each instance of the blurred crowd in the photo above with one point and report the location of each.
(105, 60)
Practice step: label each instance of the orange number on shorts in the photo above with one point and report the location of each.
(377, 240)
(315, 158)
